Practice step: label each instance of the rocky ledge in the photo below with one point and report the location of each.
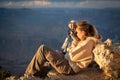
(107, 56)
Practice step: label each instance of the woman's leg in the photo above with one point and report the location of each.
(57, 61)
(44, 54)
(37, 62)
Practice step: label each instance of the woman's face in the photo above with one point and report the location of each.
(80, 34)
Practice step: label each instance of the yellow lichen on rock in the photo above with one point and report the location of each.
(107, 56)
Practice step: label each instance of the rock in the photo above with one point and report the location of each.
(12, 78)
(23, 78)
(86, 74)
(107, 56)
(4, 73)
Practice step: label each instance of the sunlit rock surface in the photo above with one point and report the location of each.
(107, 56)
(87, 74)
(23, 78)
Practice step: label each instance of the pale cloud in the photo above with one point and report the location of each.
(82, 4)
(25, 4)
(98, 4)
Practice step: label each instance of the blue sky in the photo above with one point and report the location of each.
(60, 3)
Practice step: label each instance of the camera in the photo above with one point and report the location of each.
(72, 27)
(72, 34)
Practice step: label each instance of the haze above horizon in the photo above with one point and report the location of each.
(59, 4)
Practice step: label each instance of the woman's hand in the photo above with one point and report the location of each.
(74, 36)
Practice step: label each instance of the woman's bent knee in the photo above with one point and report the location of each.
(42, 46)
(43, 49)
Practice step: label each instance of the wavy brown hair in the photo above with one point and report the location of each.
(87, 27)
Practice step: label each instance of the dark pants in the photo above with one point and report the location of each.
(46, 54)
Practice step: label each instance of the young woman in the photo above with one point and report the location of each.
(79, 54)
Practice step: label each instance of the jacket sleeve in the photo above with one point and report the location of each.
(72, 45)
(82, 52)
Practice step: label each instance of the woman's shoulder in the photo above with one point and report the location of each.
(93, 39)
(88, 40)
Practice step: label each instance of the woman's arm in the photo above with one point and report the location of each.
(82, 51)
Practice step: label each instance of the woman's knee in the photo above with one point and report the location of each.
(42, 47)
(45, 48)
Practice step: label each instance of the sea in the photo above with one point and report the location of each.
(23, 30)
